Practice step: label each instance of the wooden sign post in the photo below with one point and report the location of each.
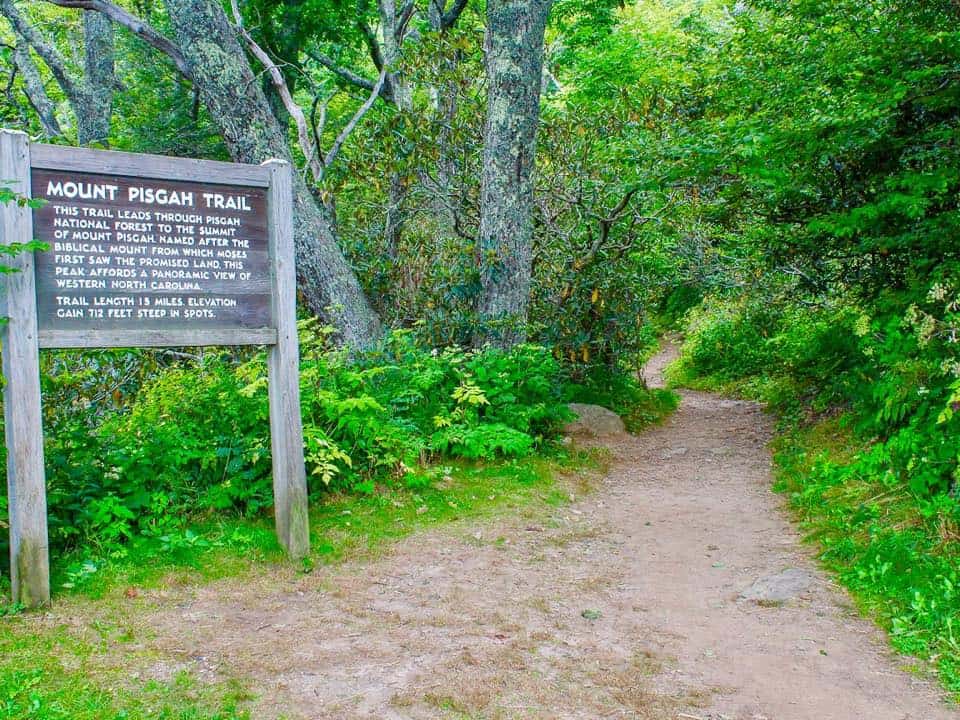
(144, 251)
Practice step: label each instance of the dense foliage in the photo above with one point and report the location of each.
(141, 443)
(194, 439)
(834, 130)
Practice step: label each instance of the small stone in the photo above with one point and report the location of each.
(594, 421)
(783, 586)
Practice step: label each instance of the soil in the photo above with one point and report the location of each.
(625, 603)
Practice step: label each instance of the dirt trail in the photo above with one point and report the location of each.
(624, 604)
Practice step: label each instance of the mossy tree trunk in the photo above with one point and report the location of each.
(237, 103)
(514, 65)
(93, 122)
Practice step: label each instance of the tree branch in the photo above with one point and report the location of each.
(47, 52)
(138, 27)
(345, 133)
(34, 90)
(373, 44)
(449, 18)
(348, 75)
(401, 25)
(296, 112)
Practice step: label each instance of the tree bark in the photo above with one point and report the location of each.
(237, 104)
(392, 23)
(445, 105)
(514, 65)
(93, 124)
(35, 91)
(90, 97)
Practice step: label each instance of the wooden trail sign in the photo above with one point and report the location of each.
(143, 251)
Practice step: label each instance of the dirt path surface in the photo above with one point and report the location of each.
(624, 604)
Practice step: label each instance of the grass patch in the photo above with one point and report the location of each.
(898, 555)
(343, 525)
(90, 656)
(56, 668)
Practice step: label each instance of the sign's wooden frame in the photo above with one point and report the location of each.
(30, 570)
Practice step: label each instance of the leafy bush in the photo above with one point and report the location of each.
(194, 438)
(894, 370)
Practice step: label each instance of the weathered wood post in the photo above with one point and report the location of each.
(286, 428)
(26, 487)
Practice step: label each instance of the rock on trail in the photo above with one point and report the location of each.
(594, 421)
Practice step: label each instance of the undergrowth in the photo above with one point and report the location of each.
(150, 459)
(899, 557)
(159, 478)
(192, 443)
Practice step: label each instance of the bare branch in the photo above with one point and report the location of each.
(403, 20)
(138, 27)
(317, 124)
(345, 133)
(8, 92)
(348, 75)
(373, 44)
(276, 77)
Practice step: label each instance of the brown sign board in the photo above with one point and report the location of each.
(141, 254)
(142, 251)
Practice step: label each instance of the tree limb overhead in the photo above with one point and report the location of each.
(138, 27)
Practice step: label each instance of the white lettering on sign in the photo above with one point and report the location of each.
(82, 190)
(218, 201)
(198, 250)
(159, 196)
(146, 195)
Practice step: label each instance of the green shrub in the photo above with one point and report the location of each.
(892, 369)
(896, 551)
(140, 445)
(193, 439)
(623, 393)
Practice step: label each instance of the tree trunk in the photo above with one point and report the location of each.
(514, 60)
(237, 104)
(402, 97)
(93, 122)
(445, 105)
